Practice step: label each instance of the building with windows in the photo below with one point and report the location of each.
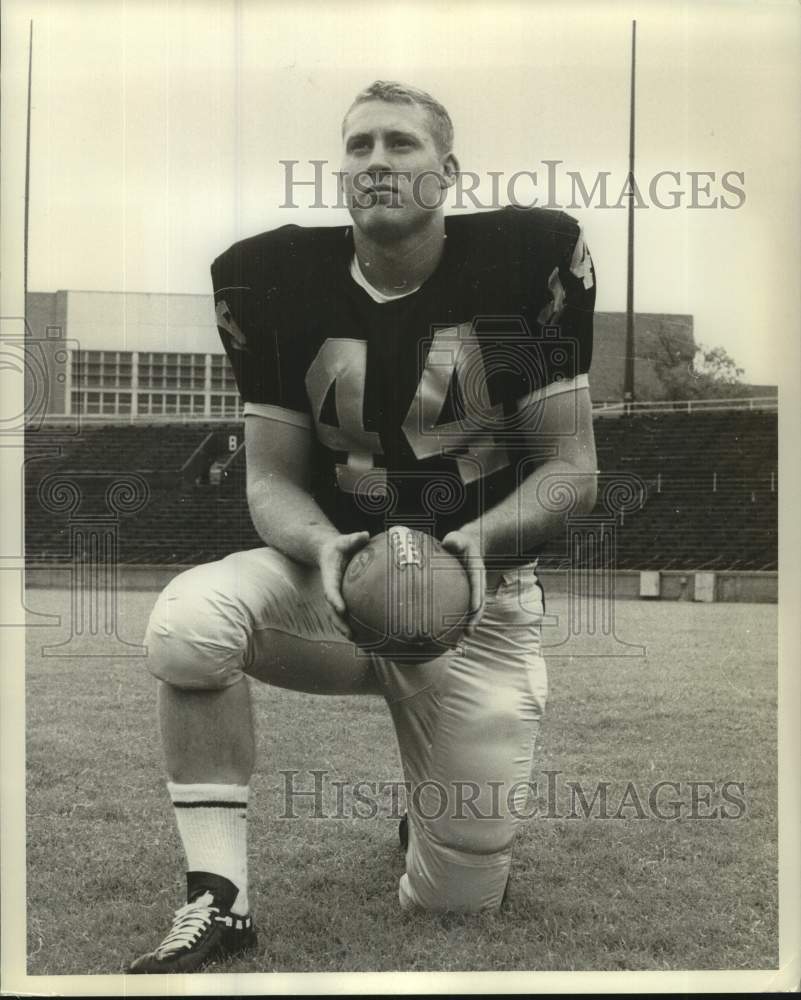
(152, 384)
(132, 356)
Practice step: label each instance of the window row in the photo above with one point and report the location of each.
(156, 358)
(115, 369)
(158, 378)
(148, 357)
(156, 404)
(101, 402)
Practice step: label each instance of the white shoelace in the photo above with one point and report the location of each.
(188, 924)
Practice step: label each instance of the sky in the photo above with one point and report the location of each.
(158, 131)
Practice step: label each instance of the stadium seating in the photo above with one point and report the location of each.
(708, 484)
(704, 488)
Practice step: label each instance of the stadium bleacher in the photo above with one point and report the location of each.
(710, 489)
(706, 489)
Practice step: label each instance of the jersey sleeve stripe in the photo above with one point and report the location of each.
(554, 389)
(279, 413)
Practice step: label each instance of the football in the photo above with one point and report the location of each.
(407, 597)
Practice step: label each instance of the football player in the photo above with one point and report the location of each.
(409, 369)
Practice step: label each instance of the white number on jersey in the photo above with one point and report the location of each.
(452, 350)
(343, 364)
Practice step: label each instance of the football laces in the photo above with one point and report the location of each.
(406, 550)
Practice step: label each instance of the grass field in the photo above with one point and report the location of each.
(104, 867)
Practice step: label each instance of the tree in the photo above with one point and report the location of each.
(711, 374)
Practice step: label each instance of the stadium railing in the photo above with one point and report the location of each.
(619, 408)
(613, 408)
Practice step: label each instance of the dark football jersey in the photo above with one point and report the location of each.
(416, 403)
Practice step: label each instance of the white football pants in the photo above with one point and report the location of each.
(466, 722)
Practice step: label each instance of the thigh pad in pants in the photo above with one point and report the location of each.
(466, 726)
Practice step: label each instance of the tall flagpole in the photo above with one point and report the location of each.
(27, 175)
(628, 377)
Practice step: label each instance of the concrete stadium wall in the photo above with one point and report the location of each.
(142, 321)
(736, 586)
(748, 587)
(45, 378)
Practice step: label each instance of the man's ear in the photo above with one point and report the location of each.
(450, 170)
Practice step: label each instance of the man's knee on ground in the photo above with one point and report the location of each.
(459, 861)
(476, 819)
(440, 880)
(197, 637)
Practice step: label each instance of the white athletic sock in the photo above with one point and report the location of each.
(212, 822)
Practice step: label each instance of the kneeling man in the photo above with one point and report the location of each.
(410, 369)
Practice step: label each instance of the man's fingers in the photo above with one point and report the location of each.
(477, 585)
(333, 595)
(457, 548)
(334, 566)
(334, 558)
(343, 627)
(340, 622)
(350, 544)
(470, 557)
(477, 589)
(335, 601)
(331, 590)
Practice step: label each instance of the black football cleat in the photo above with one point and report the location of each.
(203, 931)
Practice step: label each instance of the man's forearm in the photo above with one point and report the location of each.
(536, 511)
(287, 517)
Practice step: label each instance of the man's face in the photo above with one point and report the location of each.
(392, 173)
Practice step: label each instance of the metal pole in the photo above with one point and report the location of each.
(27, 179)
(628, 379)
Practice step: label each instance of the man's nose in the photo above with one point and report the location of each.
(379, 160)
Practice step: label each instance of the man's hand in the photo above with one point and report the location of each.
(465, 546)
(334, 555)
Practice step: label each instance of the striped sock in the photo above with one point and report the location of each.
(212, 823)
